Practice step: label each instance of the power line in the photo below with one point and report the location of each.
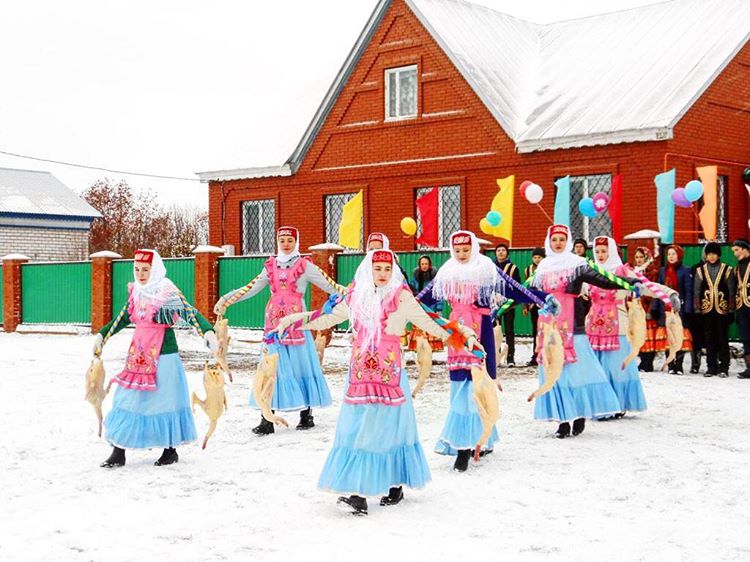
(74, 165)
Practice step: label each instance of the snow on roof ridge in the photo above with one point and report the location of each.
(25, 170)
(610, 13)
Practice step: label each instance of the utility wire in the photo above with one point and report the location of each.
(74, 165)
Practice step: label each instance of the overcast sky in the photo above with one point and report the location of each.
(174, 87)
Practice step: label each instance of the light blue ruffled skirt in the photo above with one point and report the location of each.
(300, 383)
(142, 419)
(582, 391)
(376, 448)
(463, 426)
(626, 384)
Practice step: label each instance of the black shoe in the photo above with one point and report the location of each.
(744, 374)
(532, 363)
(117, 458)
(563, 431)
(462, 460)
(694, 370)
(723, 374)
(619, 415)
(306, 419)
(485, 452)
(511, 363)
(356, 505)
(395, 495)
(709, 373)
(578, 426)
(169, 456)
(265, 427)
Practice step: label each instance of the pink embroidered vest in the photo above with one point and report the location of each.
(284, 299)
(469, 315)
(375, 370)
(142, 361)
(602, 321)
(556, 285)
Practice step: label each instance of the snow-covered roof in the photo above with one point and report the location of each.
(31, 192)
(625, 76)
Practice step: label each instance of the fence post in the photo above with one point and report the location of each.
(207, 279)
(101, 288)
(324, 256)
(12, 301)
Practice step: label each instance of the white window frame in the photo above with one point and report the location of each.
(266, 238)
(397, 71)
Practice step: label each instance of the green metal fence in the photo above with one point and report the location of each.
(56, 293)
(180, 270)
(236, 272)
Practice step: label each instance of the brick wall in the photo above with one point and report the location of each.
(352, 146)
(41, 244)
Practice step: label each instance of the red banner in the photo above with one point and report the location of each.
(427, 206)
(615, 208)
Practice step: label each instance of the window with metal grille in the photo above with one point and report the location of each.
(401, 93)
(580, 188)
(334, 210)
(722, 219)
(449, 212)
(259, 226)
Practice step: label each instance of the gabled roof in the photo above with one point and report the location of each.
(30, 192)
(625, 76)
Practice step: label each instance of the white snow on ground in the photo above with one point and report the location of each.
(670, 484)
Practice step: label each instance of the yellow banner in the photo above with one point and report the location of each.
(350, 228)
(503, 204)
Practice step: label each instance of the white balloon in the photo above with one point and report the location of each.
(534, 194)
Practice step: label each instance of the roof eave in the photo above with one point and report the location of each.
(596, 139)
(246, 173)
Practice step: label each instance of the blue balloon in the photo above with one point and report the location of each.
(494, 218)
(693, 190)
(586, 207)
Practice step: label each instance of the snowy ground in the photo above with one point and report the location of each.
(670, 484)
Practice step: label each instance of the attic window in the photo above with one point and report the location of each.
(401, 93)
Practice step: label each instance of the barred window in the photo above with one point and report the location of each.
(449, 212)
(258, 226)
(401, 93)
(334, 210)
(580, 188)
(722, 219)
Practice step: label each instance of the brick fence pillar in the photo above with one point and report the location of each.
(101, 288)
(324, 256)
(12, 301)
(207, 279)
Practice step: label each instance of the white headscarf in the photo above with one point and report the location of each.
(281, 257)
(613, 259)
(386, 241)
(558, 262)
(158, 291)
(466, 282)
(367, 300)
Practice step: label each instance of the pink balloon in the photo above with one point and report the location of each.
(679, 199)
(601, 202)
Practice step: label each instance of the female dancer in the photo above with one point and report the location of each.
(151, 407)
(472, 285)
(582, 391)
(606, 326)
(299, 380)
(376, 449)
(677, 277)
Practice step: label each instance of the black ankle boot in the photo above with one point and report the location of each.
(356, 505)
(265, 427)
(306, 419)
(579, 425)
(395, 495)
(746, 373)
(563, 431)
(168, 456)
(117, 458)
(462, 460)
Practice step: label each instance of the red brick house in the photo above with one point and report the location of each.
(448, 94)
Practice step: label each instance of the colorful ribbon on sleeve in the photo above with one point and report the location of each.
(611, 276)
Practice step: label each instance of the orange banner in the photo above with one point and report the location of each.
(709, 212)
